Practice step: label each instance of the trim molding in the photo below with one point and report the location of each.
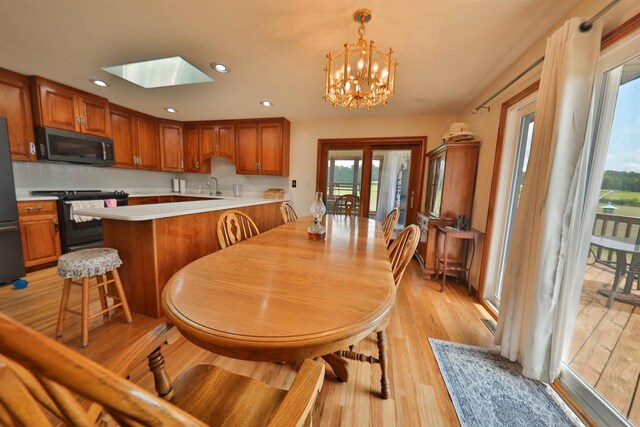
(620, 32)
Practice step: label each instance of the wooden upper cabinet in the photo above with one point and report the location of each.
(15, 105)
(94, 115)
(192, 153)
(270, 136)
(262, 147)
(62, 107)
(217, 139)
(226, 141)
(146, 134)
(124, 145)
(247, 149)
(171, 147)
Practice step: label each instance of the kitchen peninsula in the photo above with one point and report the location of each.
(157, 240)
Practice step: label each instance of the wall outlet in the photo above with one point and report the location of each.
(294, 183)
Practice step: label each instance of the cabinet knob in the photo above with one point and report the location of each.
(181, 164)
(56, 226)
(197, 165)
(33, 208)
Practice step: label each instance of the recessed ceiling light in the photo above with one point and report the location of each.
(266, 103)
(162, 72)
(221, 68)
(100, 83)
(170, 110)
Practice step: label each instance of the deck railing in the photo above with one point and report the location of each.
(610, 225)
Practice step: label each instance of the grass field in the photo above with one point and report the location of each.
(624, 195)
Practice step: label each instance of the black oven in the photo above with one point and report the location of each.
(81, 235)
(72, 147)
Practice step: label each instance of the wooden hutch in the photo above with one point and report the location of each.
(451, 183)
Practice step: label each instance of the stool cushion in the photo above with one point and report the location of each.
(88, 263)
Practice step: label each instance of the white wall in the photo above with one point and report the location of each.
(305, 135)
(485, 123)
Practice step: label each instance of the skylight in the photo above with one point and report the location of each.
(163, 72)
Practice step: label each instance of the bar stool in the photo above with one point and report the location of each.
(86, 264)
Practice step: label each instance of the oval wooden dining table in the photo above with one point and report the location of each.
(282, 297)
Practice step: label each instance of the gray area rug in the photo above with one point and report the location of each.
(489, 391)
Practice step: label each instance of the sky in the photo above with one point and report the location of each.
(624, 145)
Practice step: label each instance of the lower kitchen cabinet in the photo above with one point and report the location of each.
(40, 232)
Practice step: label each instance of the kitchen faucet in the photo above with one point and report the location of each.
(218, 192)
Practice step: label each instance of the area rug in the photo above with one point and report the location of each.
(489, 390)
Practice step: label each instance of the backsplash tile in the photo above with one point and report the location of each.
(30, 176)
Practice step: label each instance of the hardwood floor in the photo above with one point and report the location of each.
(605, 350)
(419, 396)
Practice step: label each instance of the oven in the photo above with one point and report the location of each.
(74, 235)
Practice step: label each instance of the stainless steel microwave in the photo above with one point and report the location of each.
(57, 145)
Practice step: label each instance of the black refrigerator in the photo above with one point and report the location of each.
(11, 262)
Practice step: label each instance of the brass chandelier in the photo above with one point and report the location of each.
(361, 75)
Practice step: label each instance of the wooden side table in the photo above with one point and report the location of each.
(451, 233)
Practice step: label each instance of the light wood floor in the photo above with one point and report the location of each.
(606, 345)
(419, 394)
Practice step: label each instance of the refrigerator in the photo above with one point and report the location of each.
(11, 262)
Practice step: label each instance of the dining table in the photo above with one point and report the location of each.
(280, 296)
(621, 247)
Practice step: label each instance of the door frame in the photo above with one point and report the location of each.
(417, 145)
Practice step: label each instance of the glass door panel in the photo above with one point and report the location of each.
(525, 135)
(344, 175)
(605, 348)
(390, 175)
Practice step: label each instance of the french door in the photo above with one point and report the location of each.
(383, 173)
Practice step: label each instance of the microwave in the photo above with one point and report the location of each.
(57, 145)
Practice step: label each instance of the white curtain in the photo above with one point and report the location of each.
(539, 297)
(391, 165)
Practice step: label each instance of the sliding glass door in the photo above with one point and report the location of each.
(602, 368)
(516, 148)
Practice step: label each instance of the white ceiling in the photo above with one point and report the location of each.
(448, 50)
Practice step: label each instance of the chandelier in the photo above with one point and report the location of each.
(361, 75)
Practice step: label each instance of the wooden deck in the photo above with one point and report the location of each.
(606, 344)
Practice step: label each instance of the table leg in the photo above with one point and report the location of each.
(437, 266)
(473, 253)
(614, 286)
(444, 262)
(339, 365)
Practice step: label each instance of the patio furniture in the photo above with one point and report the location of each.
(621, 247)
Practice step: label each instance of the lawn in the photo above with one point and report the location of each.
(623, 210)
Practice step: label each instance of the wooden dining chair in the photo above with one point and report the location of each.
(40, 377)
(235, 226)
(389, 224)
(288, 213)
(347, 205)
(400, 255)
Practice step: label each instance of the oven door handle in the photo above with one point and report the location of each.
(8, 229)
(104, 151)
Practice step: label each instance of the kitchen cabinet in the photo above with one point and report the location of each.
(135, 139)
(262, 147)
(192, 151)
(40, 232)
(450, 187)
(146, 137)
(15, 105)
(217, 139)
(171, 147)
(62, 107)
(124, 146)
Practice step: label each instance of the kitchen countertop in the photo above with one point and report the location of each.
(29, 198)
(167, 210)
